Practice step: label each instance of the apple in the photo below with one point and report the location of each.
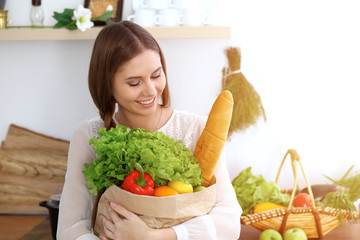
(199, 188)
(270, 234)
(295, 234)
(302, 200)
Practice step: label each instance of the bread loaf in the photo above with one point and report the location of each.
(212, 140)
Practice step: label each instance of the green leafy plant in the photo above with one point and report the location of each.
(120, 148)
(351, 182)
(338, 200)
(251, 190)
(80, 18)
(344, 199)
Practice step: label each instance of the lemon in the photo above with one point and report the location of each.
(181, 187)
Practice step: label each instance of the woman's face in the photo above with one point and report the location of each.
(139, 83)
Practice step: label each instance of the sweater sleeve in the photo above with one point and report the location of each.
(223, 221)
(76, 202)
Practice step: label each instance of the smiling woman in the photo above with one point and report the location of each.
(128, 84)
(135, 87)
(137, 90)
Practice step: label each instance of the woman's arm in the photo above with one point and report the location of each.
(76, 202)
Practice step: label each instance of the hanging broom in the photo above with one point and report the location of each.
(247, 103)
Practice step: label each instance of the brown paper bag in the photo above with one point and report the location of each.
(158, 212)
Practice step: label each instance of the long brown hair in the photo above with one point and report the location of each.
(115, 45)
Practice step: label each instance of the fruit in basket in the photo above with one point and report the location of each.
(270, 234)
(266, 206)
(302, 200)
(295, 234)
(181, 187)
(320, 190)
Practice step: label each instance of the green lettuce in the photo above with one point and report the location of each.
(251, 190)
(163, 158)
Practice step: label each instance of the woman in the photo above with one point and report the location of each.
(128, 84)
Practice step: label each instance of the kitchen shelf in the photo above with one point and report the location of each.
(30, 34)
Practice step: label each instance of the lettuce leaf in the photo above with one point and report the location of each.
(163, 158)
(251, 190)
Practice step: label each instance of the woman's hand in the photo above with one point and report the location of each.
(123, 224)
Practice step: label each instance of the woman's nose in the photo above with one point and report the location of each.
(149, 88)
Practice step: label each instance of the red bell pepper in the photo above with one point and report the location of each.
(138, 182)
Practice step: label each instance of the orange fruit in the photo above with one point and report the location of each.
(163, 191)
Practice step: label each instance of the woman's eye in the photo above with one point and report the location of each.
(154, 77)
(133, 84)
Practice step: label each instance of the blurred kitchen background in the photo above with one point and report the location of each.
(302, 57)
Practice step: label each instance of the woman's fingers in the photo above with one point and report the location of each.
(123, 224)
(109, 234)
(121, 210)
(114, 216)
(107, 223)
(109, 227)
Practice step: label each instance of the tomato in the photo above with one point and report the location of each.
(302, 200)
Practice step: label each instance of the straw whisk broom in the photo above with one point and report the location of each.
(248, 107)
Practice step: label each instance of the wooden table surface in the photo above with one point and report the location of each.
(13, 227)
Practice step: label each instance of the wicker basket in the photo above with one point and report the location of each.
(315, 221)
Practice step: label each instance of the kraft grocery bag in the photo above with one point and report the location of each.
(158, 212)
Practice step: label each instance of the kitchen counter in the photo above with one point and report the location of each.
(37, 227)
(13, 227)
(346, 231)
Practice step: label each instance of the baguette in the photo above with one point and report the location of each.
(212, 140)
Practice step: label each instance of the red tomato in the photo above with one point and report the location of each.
(302, 200)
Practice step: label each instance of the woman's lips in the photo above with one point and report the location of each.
(147, 103)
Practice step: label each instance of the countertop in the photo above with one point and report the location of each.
(37, 227)
(13, 227)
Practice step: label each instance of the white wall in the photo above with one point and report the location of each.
(19, 10)
(302, 58)
(43, 84)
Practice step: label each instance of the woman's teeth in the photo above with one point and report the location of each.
(147, 102)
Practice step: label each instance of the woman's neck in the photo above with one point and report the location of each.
(150, 123)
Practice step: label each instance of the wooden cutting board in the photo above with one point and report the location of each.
(32, 168)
